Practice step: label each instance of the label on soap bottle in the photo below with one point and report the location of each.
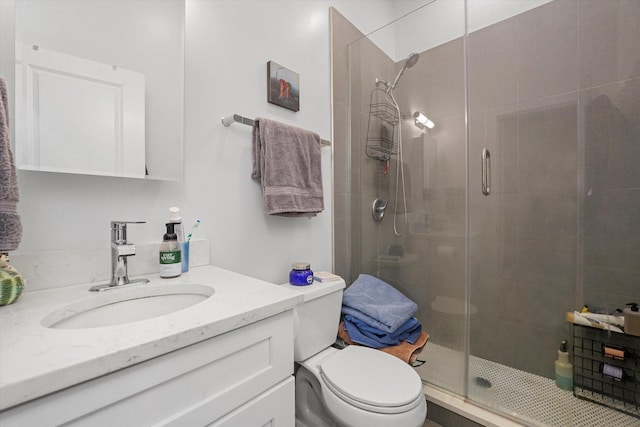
(170, 263)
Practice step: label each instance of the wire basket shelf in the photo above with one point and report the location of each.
(606, 369)
(383, 118)
(386, 112)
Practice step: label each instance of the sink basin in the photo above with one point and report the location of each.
(127, 305)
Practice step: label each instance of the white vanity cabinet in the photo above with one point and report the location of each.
(240, 378)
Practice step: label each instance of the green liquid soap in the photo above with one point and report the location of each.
(565, 383)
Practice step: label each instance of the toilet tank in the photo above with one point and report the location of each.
(316, 320)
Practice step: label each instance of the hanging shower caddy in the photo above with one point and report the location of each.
(383, 119)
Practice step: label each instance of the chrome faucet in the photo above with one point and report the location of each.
(120, 250)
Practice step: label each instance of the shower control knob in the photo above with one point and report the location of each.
(378, 208)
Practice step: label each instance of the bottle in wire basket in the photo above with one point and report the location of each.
(632, 319)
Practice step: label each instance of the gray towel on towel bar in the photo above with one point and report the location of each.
(10, 225)
(287, 161)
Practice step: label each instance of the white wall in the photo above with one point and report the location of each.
(228, 46)
(228, 43)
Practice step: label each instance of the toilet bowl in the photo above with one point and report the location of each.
(358, 386)
(354, 386)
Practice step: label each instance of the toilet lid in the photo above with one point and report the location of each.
(371, 377)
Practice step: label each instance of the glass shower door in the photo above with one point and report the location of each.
(523, 226)
(423, 253)
(553, 96)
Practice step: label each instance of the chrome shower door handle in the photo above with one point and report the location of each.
(486, 172)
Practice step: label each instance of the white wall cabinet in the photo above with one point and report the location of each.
(243, 377)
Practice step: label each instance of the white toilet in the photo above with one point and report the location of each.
(356, 386)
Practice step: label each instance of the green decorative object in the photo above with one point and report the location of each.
(11, 282)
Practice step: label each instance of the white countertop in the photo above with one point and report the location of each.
(36, 360)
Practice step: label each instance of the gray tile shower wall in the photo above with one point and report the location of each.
(342, 33)
(610, 118)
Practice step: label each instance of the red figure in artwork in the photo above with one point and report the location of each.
(284, 89)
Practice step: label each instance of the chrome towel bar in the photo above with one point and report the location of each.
(237, 118)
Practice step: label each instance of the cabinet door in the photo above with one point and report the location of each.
(274, 407)
(79, 116)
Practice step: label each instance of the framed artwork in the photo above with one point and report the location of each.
(283, 86)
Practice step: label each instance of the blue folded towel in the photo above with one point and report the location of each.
(377, 303)
(362, 333)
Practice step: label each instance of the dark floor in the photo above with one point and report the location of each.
(437, 416)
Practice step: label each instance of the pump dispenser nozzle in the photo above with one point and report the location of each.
(171, 233)
(563, 346)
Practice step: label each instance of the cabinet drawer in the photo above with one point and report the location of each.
(221, 373)
(274, 407)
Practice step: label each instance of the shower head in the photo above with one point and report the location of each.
(408, 63)
(412, 60)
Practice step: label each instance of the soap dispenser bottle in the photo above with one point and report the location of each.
(170, 254)
(632, 319)
(564, 368)
(178, 228)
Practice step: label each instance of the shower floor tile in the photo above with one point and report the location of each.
(527, 397)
